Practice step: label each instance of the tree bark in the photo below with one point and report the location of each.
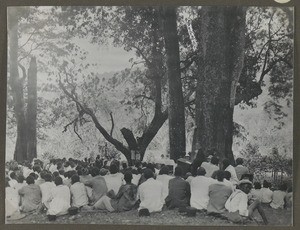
(32, 110)
(16, 84)
(222, 41)
(176, 102)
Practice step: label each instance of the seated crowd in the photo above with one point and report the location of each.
(62, 184)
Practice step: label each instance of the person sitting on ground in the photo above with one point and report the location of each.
(98, 185)
(68, 176)
(237, 203)
(78, 192)
(211, 167)
(199, 189)
(54, 175)
(31, 196)
(46, 189)
(179, 191)
(59, 201)
(11, 199)
(164, 178)
(256, 192)
(150, 193)
(114, 179)
(13, 180)
(266, 193)
(40, 180)
(228, 167)
(278, 197)
(123, 201)
(218, 194)
(240, 169)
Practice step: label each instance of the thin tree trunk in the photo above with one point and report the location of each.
(176, 107)
(222, 40)
(16, 84)
(32, 110)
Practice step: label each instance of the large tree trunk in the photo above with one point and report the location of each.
(176, 107)
(16, 84)
(32, 110)
(222, 40)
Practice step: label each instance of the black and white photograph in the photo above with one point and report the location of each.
(150, 115)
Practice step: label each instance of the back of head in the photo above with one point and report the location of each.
(227, 175)
(128, 177)
(74, 178)
(95, 171)
(164, 170)
(214, 160)
(283, 187)
(30, 180)
(33, 175)
(58, 181)
(266, 184)
(220, 175)
(13, 175)
(48, 177)
(20, 179)
(148, 173)
(178, 171)
(55, 174)
(124, 165)
(201, 171)
(257, 185)
(226, 163)
(36, 168)
(113, 169)
(239, 161)
(151, 167)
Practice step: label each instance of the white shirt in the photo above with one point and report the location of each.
(150, 194)
(238, 201)
(229, 184)
(13, 183)
(278, 199)
(135, 179)
(46, 189)
(233, 177)
(256, 193)
(53, 168)
(26, 171)
(79, 195)
(114, 181)
(164, 179)
(266, 195)
(60, 200)
(11, 201)
(199, 191)
(209, 168)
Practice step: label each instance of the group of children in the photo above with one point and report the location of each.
(63, 185)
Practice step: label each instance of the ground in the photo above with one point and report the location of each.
(167, 217)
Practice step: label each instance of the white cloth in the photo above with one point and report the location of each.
(53, 168)
(189, 179)
(135, 179)
(150, 194)
(199, 191)
(20, 185)
(26, 171)
(164, 179)
(79, 195)
(238, 201)
(278, 199)
(256, 193)
(229, 184)
(233, 177)
(209, 168)
(60, 200)
(11, 201)
(46, 189)
(266, 195)
(13, 183)
(114, 181)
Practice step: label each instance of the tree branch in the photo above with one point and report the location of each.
(33, 32)
(112, 123)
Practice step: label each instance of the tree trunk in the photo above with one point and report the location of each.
(16, 84)
(32, 110)
(176, 103)
(221, 44)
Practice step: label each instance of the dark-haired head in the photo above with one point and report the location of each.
(48, 177)
(33, 175)
(58, 181)
(13, 175)
(128, 177)
(283, 187)
(20, 179)
(220, 175)
(178, 171)
(164, 170)
(226, 163)
(30, 180)
(266, 184)
(201, 171)
(95, 171)
(148, 173)
(227, 175)
(214, 160)
(257, 185)
(239, 161)
(113, 169)
(75, 178)
(55, 174)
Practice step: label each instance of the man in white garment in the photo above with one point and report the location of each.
(228, 167)
(199, 189)
(46, 189)
(150, 193)
(211, 166)
(164, 178)
(114, 180)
